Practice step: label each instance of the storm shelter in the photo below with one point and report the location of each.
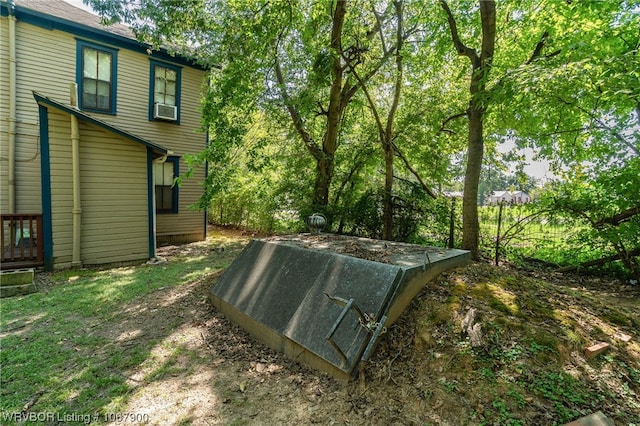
(324, 300)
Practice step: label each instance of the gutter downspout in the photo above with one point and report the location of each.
(11, 169)
(75, 170)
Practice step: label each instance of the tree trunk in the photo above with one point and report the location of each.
(480, 67)
(475, 152)
(387, 210)
(324, 168)
(324, 175)
(387, 142)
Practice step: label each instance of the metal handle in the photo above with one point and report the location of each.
(347, 305)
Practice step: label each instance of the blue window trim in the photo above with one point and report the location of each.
(80, 44)
(45, 182)
(152, 78)
(174, 190)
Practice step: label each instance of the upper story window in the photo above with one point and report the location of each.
(96, 75)
(164, 92)
(165, 82)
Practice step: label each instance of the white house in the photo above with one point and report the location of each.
(508, 197)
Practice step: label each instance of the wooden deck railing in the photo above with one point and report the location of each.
(21, 241)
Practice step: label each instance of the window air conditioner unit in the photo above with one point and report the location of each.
(165, 112)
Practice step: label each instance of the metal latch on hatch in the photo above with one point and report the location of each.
(366, 321)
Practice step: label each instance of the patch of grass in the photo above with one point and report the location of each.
(459, 289)
(562, 390)
(576, 340)
(505, 416)
(496, 296)
(487, 374)
(517, 397)
(450, 386)
(616, 317)
(542, 346)
(633, 373)
(439, 315)
(54, 349)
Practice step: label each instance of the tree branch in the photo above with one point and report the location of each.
(414, 172)
(453, 117)
(538, 50)
(460, 47)
(354, 168)
(350, 90)
(601, 261)
(619, 218)
(378, 27)
(399, 73)
(560, 132)
(537, 53)
(372, 104)
(603, 126)
(311, 145)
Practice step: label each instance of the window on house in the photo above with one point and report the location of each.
(166, 192)
(97, 78)
(164, 96)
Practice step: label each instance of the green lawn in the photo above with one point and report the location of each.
(555, 240)
(55, 346)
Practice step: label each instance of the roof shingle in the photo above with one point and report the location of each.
(63, 10)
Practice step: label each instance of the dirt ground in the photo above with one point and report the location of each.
(214, 373)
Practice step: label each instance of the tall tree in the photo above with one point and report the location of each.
(351, 47)
(340, 94)
(387, 92)
(480, 68)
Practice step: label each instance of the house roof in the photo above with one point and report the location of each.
(45, 101)
(453, 194)
(510, 193)
(62, 9)
(60, 15)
